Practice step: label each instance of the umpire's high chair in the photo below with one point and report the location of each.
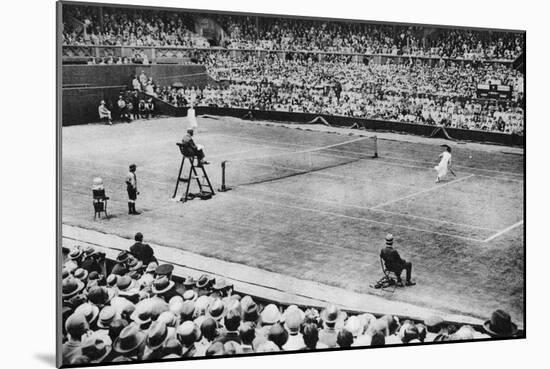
(205, 187)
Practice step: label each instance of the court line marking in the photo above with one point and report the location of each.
(384, 156)
(423, 191)
(377, 210)
(359, 218)
(266, 232)
(505, 230)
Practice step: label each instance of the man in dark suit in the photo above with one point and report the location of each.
(394, 263)
(142, 251)
(196, 150)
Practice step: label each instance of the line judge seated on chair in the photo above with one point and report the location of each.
(394, 263)
(193, 149)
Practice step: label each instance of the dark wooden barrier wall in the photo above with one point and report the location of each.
(84, 86)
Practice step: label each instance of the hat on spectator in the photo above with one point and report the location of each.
(112, 280)
(270, 314)
(65, 272)
(190, 295)
(134, 274)
(89, 310)
(215, 349)
(76, 324)
(500, 325)
(175, 299)
(164, 270)
(157, 335)
(311, 315)
(389, 239)
(354, 326)
(291, 309)
(189, 282)
(187, 310)
(277, 334)
(162, 285)
(95, 348)
(217, 310)
(81, 274)
(157, 306)
(293, 321)
(142, 312)
(80, 360)
(434, 323)
(202, 282)
(330, 314)
(344, 338)
(88, 250)
(246, 301)
(100, 295)
(75, 253)
(168, 318)
(151, 267)
(188, 333)
(134, 264)
(221, 283)
(202, 304)
(130, 338)
(125, 284)
(106, 316)
(122, 256)
(71, 287)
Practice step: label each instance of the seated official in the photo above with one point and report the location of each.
(196, 150)
(104, 113)
(394, 263)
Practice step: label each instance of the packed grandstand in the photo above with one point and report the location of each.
(324, 67)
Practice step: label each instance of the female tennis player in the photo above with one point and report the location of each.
(444, 165)
(191, 118)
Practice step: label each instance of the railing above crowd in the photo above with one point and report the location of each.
(125, 54)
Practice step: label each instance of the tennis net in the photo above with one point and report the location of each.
(298, 160)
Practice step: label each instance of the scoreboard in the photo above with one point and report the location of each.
(494, 91)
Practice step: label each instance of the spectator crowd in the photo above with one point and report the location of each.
(444, 94)
(137, 27)
(138, 310)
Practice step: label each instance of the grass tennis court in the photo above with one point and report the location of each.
(306, 206)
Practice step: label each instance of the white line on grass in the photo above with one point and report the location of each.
(359, 218)
(376, 210)
(421, 192)
(503, 231)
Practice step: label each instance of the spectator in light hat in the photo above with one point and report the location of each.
(464, 333)
(268, 317)
(107, 315)
(190, 295)
(293, 322)
(76, 326)
(90, 312)
(188, 333)
(157, 336)
(147, 279)
(71, 287)
(81, 274)
(96, 349)
(328, 334)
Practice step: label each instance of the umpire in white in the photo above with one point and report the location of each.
(131, 187)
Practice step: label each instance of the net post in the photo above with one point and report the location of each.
(223, 187)
(375, 138)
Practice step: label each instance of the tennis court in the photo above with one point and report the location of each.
(317, 206)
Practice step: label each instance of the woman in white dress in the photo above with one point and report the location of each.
(444, 164)
(191, 118)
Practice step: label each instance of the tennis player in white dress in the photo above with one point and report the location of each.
(444, 165)
(191, 118)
